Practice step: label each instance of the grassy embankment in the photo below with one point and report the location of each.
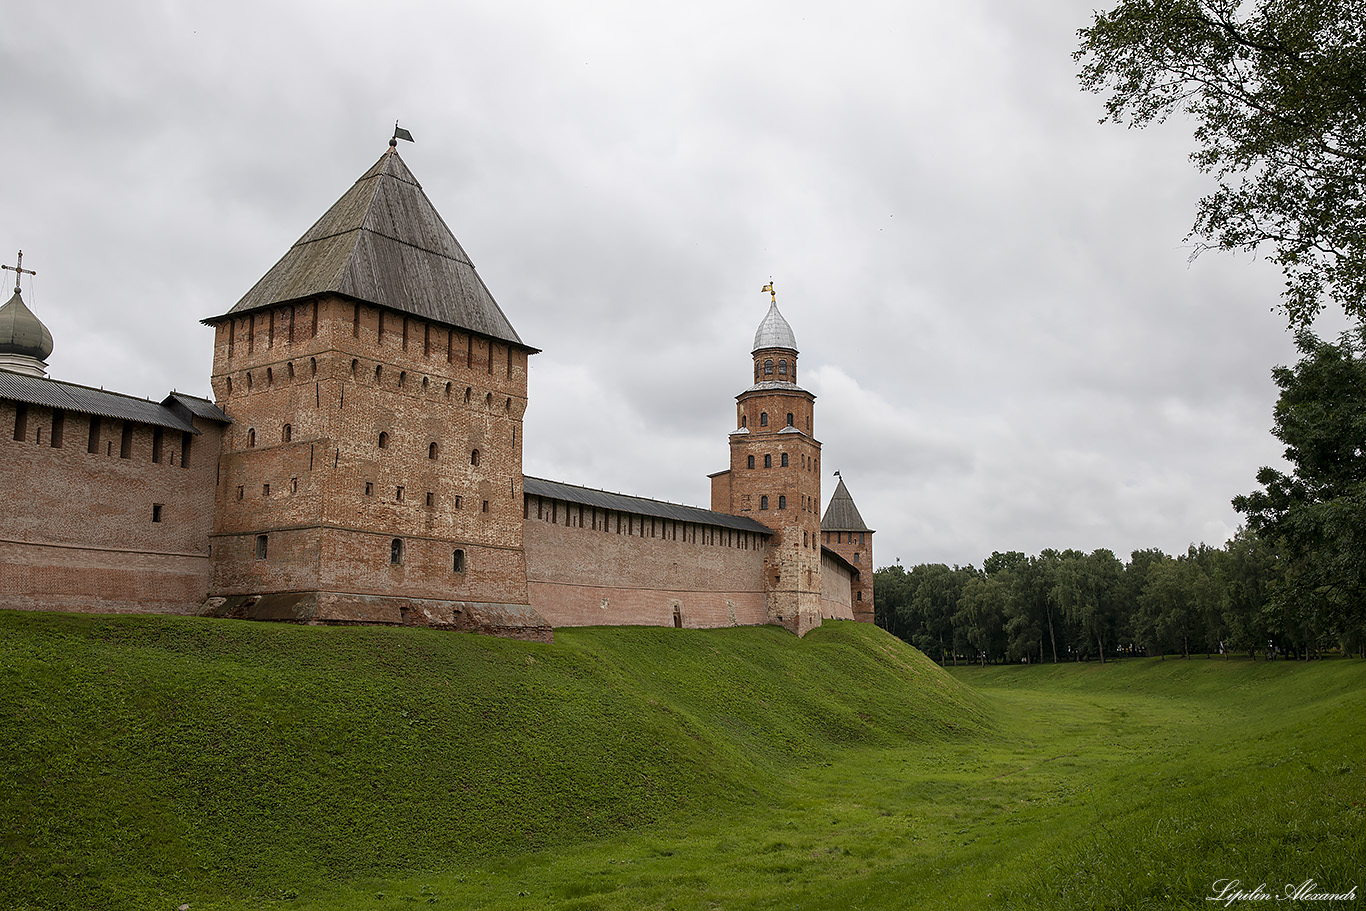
(154, 761)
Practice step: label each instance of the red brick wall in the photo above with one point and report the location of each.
(837, 589)
(582, 571)
(336, 497)
(857, 548)
(78, 530)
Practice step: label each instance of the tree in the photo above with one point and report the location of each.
(1277, 89)
(1316, 517)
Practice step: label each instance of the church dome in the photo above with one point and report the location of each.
(774, 332)
(21, 332)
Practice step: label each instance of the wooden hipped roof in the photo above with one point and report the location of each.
(842, 514)
(384, 243)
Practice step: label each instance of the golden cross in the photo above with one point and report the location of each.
(19, 271)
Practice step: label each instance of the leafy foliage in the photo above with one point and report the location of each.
(1316, 515)
(1277, 89)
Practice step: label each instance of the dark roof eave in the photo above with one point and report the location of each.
(660, 509)
(839, 558)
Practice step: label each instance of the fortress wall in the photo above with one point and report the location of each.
(588, 566)
(95, 531)
(837, 589)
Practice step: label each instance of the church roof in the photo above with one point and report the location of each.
(37, 390)
(21, 332)
(641, 506)
(384, 243)
(841, 514)
(774, 331)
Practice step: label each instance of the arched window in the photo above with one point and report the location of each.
(458, 562)
(270, 377)
(287, 433)
(782, 368)
(474, 457)
(251, 438)
(860, 596)
(488, 399)
(229, 379)
(313, 366)
(768, 368)
(379, 373)
(448, 390)
(784, 460)
(763, 419)
(396, 551)
(782, 504)
(424, 385)
(763, 502)
(248, 380)
(402, 378)
(467, 395)
(354, 364)
(768, 460)
(383, 440)
(751, 462)
(744, 420)
(432, 451)
(290, 366)
(789, 419)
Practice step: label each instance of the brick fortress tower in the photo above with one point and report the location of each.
(848, 535)
(774, 474)
(373, 470)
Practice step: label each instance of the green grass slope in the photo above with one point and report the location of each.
(147, 760)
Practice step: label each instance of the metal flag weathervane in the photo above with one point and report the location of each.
(400, 133)
(19, 271)
(769, 288)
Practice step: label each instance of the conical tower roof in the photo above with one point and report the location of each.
(774, 331)
(842, 514)
(384, 243)
(21, 332)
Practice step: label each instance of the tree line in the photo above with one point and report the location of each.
(1073, 606)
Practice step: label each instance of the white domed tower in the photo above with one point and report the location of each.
(774, 474)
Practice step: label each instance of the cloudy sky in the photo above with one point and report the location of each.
(994, 304)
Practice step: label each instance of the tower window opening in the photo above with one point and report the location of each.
(784, 462)
(287, 433)
(58, 425)
(402, 378)
(20, 421)
(744, 420)
(431, 499)
(94, 445)
(432, 451)
(398, 494)
(262, 541)
(768, 368)
(383, 440)
(396, 551)
(458, 561)
(474, 457)
(248, 380)
(156, 512)
(782, 502)
(789, 419)
(768, 461)
(782, 368)
(126, 444)
(763, 502)
(312, 366)
(251, 438)
(354, 364)
(751, 462)
(270, 376)
(379, 373)
(157, 434)
(860, 596)
(459, 500)
(856, 556)
(763, 419)
(290, 367)
(369, 488)
(485, 507)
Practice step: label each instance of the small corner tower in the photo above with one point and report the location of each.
(847, 535)
(774, 474)
(25, 342)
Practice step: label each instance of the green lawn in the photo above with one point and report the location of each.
(154, 761)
